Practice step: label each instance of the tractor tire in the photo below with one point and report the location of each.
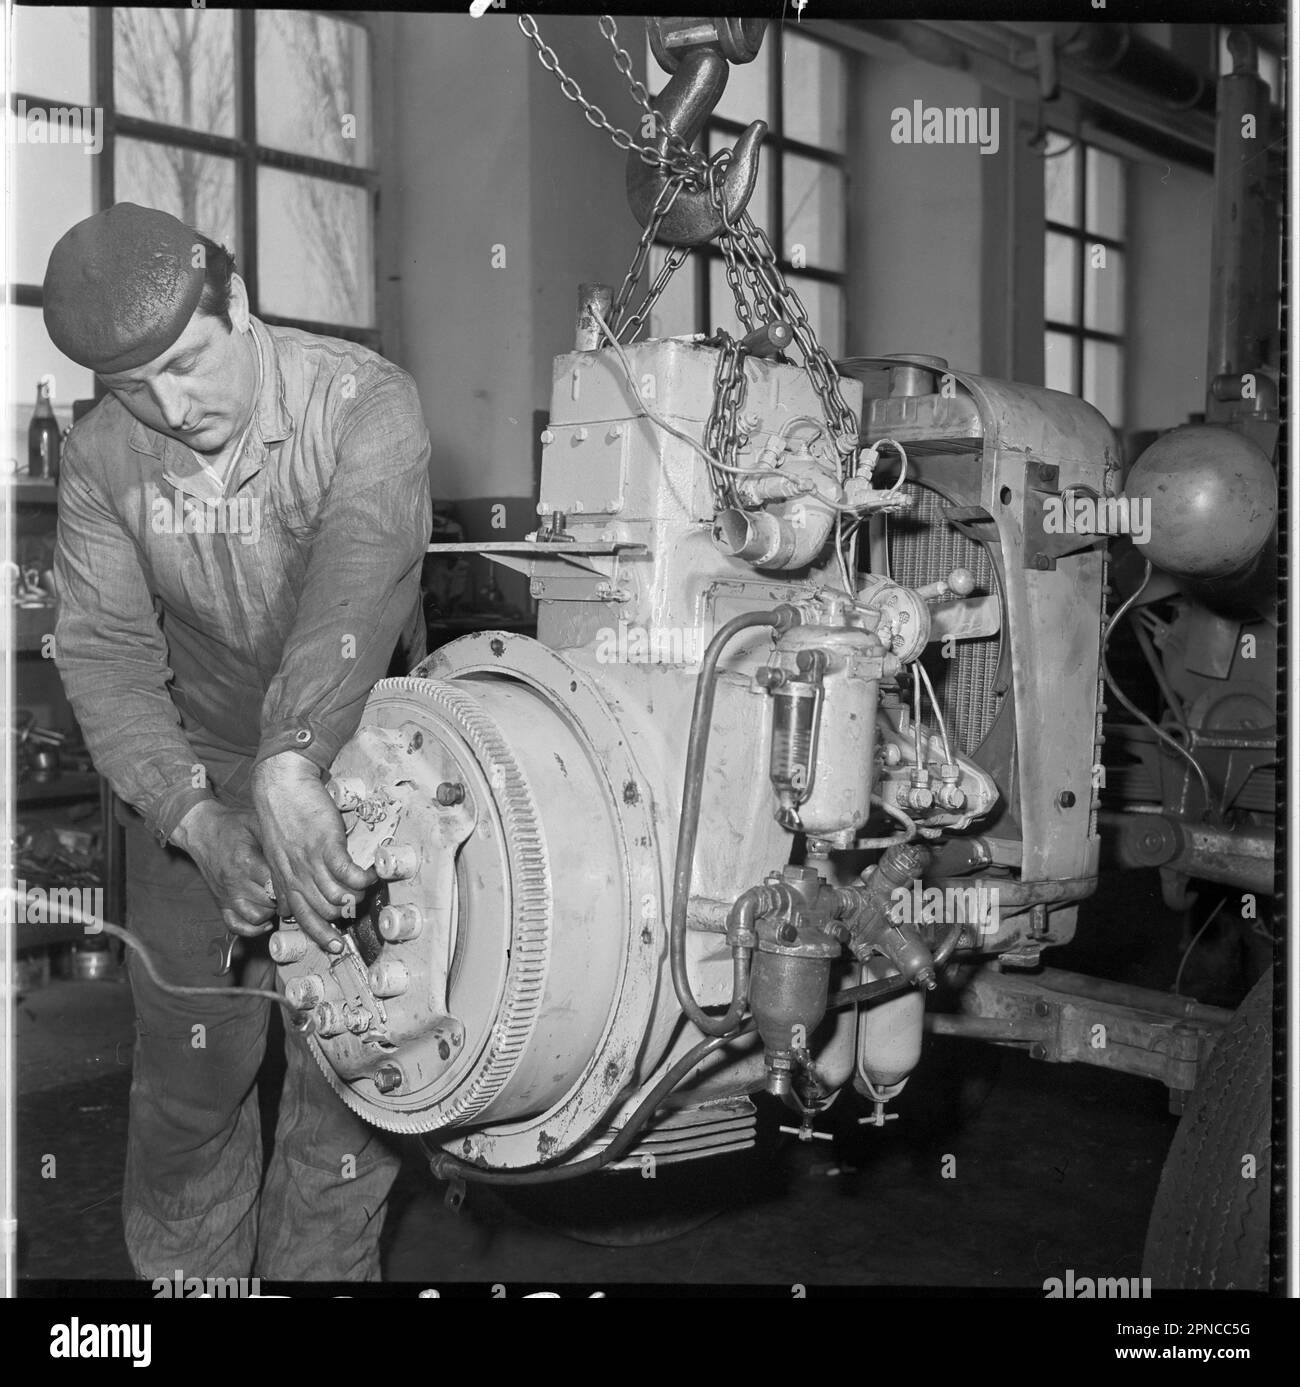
(1209, 1227)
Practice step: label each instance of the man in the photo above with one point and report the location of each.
(241, 525)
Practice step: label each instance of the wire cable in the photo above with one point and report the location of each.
(1196, 939)
(651, 413)
(94, 925)
(938, 712)
(1130, 706)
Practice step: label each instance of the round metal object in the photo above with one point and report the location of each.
(1213, 500)
(540, 1023)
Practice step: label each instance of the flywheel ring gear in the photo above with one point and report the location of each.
(532, 903)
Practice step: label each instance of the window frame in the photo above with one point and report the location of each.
(1084, 238)
(242, 148)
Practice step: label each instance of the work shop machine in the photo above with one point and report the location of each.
(813, 712)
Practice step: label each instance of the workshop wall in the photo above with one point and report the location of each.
(915, 231)
(1171, 210)
(504, 200)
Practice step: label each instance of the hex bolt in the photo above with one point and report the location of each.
(1037, 1052)
(1042, 1009)
(329, 1020)
(306, 993)
(398, 923)
(388, 978)
(287, 948)
(357, 1019)
(396, 863)
(449, 792)
(787, 934)
(389, 1077)
(346, 791)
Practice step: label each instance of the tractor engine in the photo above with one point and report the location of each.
(728, 777)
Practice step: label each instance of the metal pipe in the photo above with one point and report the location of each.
(447, 1167)
(780, 619)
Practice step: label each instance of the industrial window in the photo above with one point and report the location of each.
(254, 126)
(799, 85)
(1083, 274)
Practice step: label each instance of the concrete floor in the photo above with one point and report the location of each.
(1055, 1167)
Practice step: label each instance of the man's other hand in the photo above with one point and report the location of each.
(303, 838)
(224, 845)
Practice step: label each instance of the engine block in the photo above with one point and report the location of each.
(576, 862)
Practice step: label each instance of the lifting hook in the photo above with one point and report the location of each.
(685, 104)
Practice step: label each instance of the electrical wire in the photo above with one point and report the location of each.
(94, 925)
(1196, 939)
(652, 414)
(938, 712)
(895, 812)
(1130, 706)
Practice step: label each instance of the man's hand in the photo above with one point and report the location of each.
(224, 846)
(302, 835)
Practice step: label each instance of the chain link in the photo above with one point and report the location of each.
(649, 154)
(663, 204)
(759, 287)
(721, 431)
(685, 156)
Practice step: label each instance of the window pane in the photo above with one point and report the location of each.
(674, 312)
(315, 255)
(197, 188)
(813, 87)
(1103, 385)
(1061, 178)
(814, 213)
(1103, 289)
(1060, 362)
(176, 66)
(1104, 194)
(52, 191)
(825, 305)
(748, 93)
(33, 355)
(746, 97)
(760, 205)
(51, 53)
(1061, 279)
(313, 86)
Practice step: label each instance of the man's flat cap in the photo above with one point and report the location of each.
(121, 287)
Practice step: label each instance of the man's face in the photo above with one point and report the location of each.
(202, 390)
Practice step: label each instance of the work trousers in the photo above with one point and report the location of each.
(196, 1198)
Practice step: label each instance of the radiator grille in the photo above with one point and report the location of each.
(923, 546)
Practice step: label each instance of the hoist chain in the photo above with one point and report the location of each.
(680, 160)
(759, 287)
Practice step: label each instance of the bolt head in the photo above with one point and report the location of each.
(388, 1078)
(450, 792)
